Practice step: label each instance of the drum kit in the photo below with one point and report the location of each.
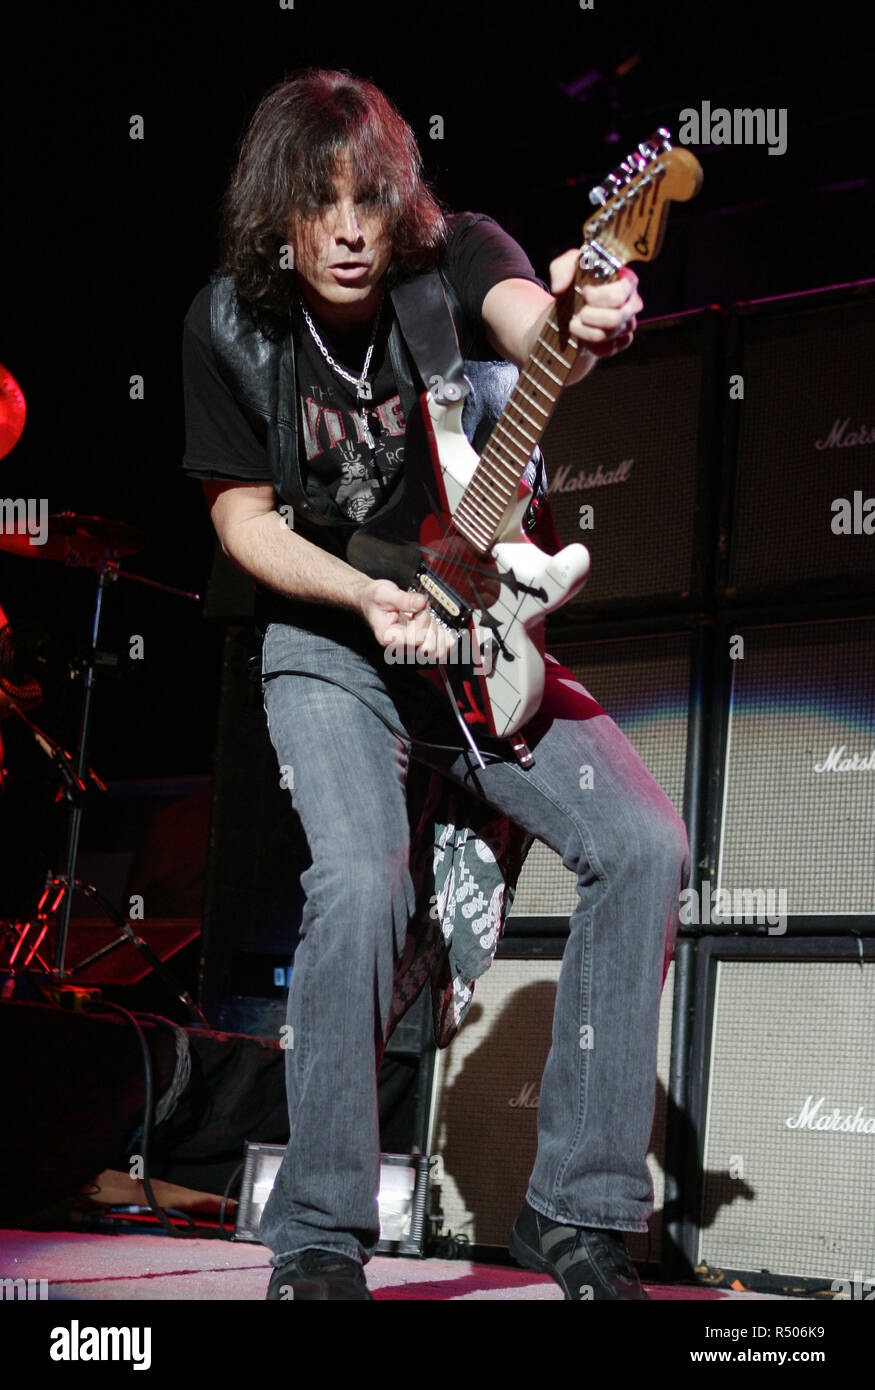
(99, 544)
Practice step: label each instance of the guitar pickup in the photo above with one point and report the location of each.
(451, 608)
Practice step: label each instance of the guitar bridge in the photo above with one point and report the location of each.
(445, 602)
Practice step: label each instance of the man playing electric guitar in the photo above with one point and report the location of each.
(295, 372)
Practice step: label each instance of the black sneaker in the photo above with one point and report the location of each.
(586, 1263)
(314, 1275)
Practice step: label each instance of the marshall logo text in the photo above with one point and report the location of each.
(835, 761)
(562, 482)
(837, 439)
(808, 1118)
(527, 1099)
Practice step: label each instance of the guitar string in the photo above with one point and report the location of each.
(475, 493)
(475, 490)
(462, 562)
(443, 569)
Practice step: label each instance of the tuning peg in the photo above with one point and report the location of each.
(633, 165)
(597, 196)
(660, 140)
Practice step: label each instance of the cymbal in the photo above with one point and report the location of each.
(12, 411)
(76, 539)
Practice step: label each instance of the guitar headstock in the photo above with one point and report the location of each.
(632, 205)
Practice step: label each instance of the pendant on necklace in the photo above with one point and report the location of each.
(364, 390)
(369, 438)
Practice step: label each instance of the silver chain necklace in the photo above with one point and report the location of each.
(361, 384)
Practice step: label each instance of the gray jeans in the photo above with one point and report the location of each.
(620, 835)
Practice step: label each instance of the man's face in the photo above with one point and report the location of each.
(342, 253)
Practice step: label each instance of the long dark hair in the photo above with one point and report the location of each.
(285, 166)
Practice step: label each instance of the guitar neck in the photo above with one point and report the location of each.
(494, 487)
(629, 225)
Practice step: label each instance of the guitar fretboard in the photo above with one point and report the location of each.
(628, 225)
(484, 504)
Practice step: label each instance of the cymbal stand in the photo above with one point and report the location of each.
(107, 572)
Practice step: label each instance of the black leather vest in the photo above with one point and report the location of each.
(260, 373)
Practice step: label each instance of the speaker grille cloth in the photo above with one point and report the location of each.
(786, 1034)
(626, 443)
(802, 692)
(805, 374)
(488, 1144)
(643, 684)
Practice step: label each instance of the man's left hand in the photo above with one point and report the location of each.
(604, 322)
(606, 317)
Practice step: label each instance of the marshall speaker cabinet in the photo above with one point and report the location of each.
(485, 1104)
(649, 683)
(783, 1103)
(794, 811)
(633, 460)
(800, 517)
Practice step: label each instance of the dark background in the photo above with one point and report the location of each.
(106, 240)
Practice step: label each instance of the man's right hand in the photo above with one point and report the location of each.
(256, 537)
(400, 617)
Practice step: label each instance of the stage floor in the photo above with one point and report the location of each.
(136, 1266)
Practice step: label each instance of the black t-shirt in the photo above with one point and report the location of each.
(222, 445)
(334, 425)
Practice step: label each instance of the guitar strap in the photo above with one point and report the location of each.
(429, 329)
(429, 315)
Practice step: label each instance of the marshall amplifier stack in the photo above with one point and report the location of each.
(722, 475)
(778, 1185)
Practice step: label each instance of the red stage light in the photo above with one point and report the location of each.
(12, 411)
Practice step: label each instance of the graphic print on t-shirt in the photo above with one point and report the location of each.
(358, 475)
(335, 438)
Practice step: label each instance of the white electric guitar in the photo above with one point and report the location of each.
(455, 529)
